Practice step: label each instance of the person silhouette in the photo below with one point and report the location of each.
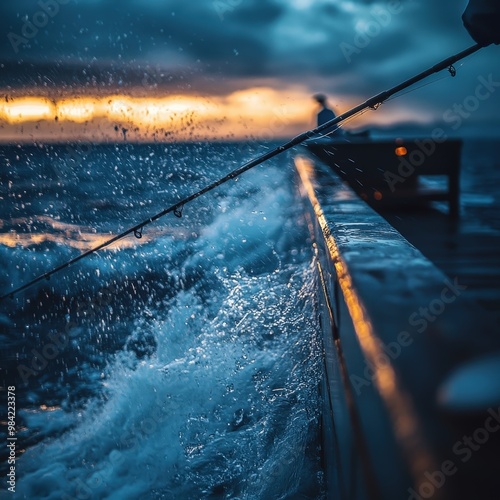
(325, 115)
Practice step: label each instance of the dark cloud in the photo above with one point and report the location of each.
(210, 43)
(160, 32)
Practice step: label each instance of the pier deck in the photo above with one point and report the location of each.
(468, 248)
(402, 391)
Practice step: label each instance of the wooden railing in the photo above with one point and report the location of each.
(393, 172)
(395, 329)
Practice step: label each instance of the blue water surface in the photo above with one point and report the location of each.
(184, 364)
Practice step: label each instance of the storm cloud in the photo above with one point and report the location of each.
(342, 47)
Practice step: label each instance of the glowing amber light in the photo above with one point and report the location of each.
(401, 151)
(377, 195)
(49, 408)
(264, 111)
(27, 109)
(77, 110)
(400, 408)
(65, 234)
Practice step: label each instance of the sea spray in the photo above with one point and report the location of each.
(197, 375)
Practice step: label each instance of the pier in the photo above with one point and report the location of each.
(409, 313)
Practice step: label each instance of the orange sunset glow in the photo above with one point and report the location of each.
(261, 113)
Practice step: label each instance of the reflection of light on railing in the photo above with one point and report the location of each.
(404, 420)
(401, 151)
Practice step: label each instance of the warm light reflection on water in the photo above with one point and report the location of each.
(74, 236)
(84, 242)
(79, 237)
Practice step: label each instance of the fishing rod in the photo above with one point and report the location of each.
(372, 103)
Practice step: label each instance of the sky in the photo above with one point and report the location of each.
(172, 69)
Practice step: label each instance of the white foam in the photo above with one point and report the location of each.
(226, 404)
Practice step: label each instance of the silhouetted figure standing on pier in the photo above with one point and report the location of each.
(325, 115)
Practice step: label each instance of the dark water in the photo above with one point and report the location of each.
(184, 364)
(480, 193)
(181, 365)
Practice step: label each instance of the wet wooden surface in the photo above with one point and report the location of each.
(450, 371)
(467, 249)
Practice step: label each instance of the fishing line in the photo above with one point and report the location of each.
(347, 120)
(372, 103)
(452, 74)
(451, 70)
(446, 77)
